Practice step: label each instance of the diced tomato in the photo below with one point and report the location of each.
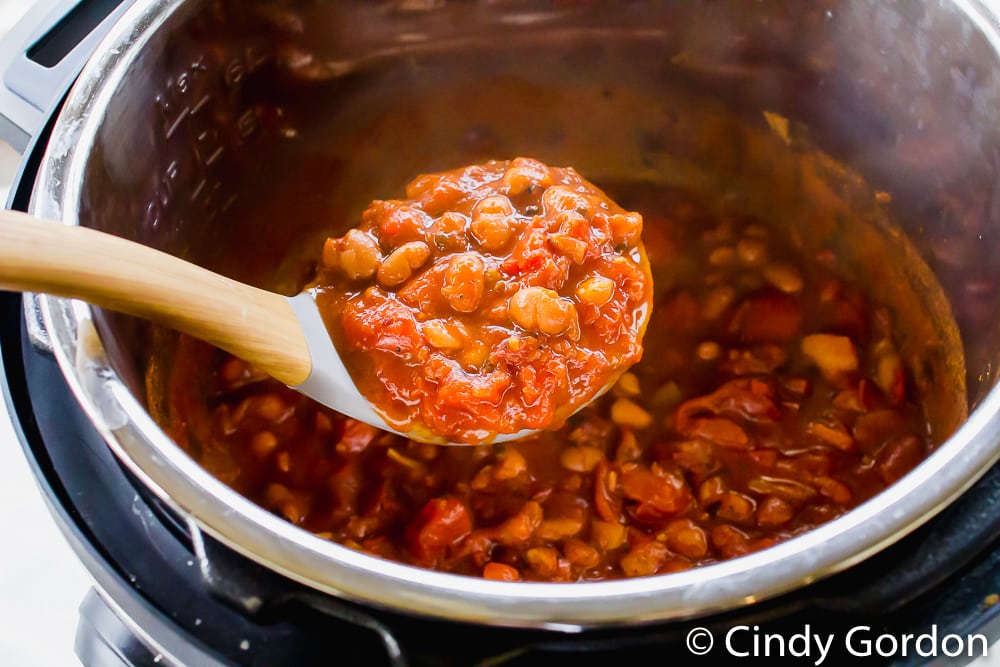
(440, 525)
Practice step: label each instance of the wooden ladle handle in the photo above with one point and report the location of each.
(75, 262)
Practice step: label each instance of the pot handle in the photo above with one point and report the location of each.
(42, 55)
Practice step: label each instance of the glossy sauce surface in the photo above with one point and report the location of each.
(494, 298)
(770, 399)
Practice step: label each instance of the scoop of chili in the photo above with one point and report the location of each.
(494, 298)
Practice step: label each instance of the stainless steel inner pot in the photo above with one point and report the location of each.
(225, 131)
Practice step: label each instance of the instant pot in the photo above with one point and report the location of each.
(170, 112)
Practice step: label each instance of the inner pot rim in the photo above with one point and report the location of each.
(212, 506)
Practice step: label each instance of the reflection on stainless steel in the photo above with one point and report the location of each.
(199, 122)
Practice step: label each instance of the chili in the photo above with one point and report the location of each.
(771, 399)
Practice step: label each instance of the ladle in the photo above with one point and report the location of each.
(282, 336)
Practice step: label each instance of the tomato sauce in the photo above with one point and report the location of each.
(771, 398)
(494, 298)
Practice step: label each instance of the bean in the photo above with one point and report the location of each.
(559, 198)
(711, 491)
(581, 554)
(233, 370)
(708, 351)
(464, 282)
(627, 386)
(491, 222)
(644, 559)
(607, 535)
(595, 291)
(784, 276)
(356, 254)
(543, 560)
(728, 541)
(580, 459)
(272, 408)
(518, 528)
(687, 539)
(501, 572)
(625, 228)
(628, 413)
(543, 310)
(511, 464)
(442, 335)
(524, 174)
(557, 529)
(722, 256)
(834, 355)
(751, 251)
(264, 443)
(629, 448)
(402, 262)
(735, 507)
(717, 301)
(448, 231)
(773, 512)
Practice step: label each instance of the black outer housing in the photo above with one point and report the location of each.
(157, 596)
(170, 594)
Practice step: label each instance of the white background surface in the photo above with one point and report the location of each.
(41, 581)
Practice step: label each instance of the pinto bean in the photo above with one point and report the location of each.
(524, 175)
(464, 282)
(356, 254)
(443, 335)
(402, 262)
(501, 572)
(581, 459)
(751, 251)
(834, 355)
(543, 560)
(687, 539)
(644, 559)
(784, 276)
(627, 386)
(581, 554)
(608, 535)
(543, 310)
(491, 225)
(625, 412)
(595, 291)
(735, 507)
(728, 541)
(773, 512)
(708, 350)
(558, 528)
